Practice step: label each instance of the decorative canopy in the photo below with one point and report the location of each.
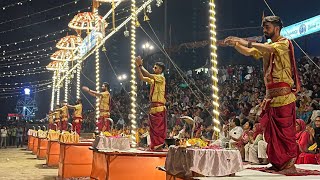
(61, 55)
(84, 21)
(54, 65)
(69, 42)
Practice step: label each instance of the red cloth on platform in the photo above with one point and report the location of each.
(279, 132)
(103, 124)
(158, 128)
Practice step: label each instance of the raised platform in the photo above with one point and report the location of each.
(127, 165)
(53, 154)
(75, 160)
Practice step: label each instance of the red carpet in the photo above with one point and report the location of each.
(300, 172)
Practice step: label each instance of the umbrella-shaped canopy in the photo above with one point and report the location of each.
(54, 65)
(85, 21)
(69, 42)
(61, 55)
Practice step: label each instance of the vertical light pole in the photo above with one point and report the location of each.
(97, 57)
(133, 74)
(53, 90)
(58, 87)
(214, 62)
(78, 81)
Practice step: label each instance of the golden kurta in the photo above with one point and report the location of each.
(77, 111)
(50, 117)
(104, 104)
(281, 69)
(64, 113)
(56, 115)
(157, 92)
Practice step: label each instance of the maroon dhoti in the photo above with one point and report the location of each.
(51, 126)
(158, 128)
(64, 125)
(279, 124)
(103, 123)
(76, 124)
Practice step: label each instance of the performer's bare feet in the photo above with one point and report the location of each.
(158, 148)
(290, 170)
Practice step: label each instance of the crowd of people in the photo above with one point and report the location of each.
(11, 136)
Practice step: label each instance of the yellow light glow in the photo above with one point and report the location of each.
(53, 90)
(97, 57)
(78, 81)
(58, 87)
(66, 81)
(214, 62)
(133, 74)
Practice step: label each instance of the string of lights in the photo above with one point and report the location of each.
(15, 4)
(27, 47)
(123, 10)
(24, 70)
(133, 73)
(24, 83)
(20, 94)
(14, 64)
(15, 90)
(19, 61)
(20, 55)
(40, 12)
(23, 74)
(44, 21)
(35, 38)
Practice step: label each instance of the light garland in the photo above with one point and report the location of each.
(40, 12)
(18, 91)
(118, 12)
(133, 74)
(58, 87)
(144, 5)
(22, 70)
(27, 47)
(66, 85)
(21, 94)
(97, 57)
(53, 90)
(19, 64)
(44, 21)
(20, 83)
(78, 81)
(21, 55)
(8, 89)
(35, 38)
(23, 74)
(214, 62)
(15, 4)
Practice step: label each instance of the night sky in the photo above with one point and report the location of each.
(21, 35)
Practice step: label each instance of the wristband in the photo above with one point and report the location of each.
(249, 44)
(140, 65)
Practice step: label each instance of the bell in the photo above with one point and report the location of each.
(104, 48)
(137, 23)
(146, 18)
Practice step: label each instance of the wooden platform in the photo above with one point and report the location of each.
(127, 165)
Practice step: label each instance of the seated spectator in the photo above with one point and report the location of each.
(251, 148)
